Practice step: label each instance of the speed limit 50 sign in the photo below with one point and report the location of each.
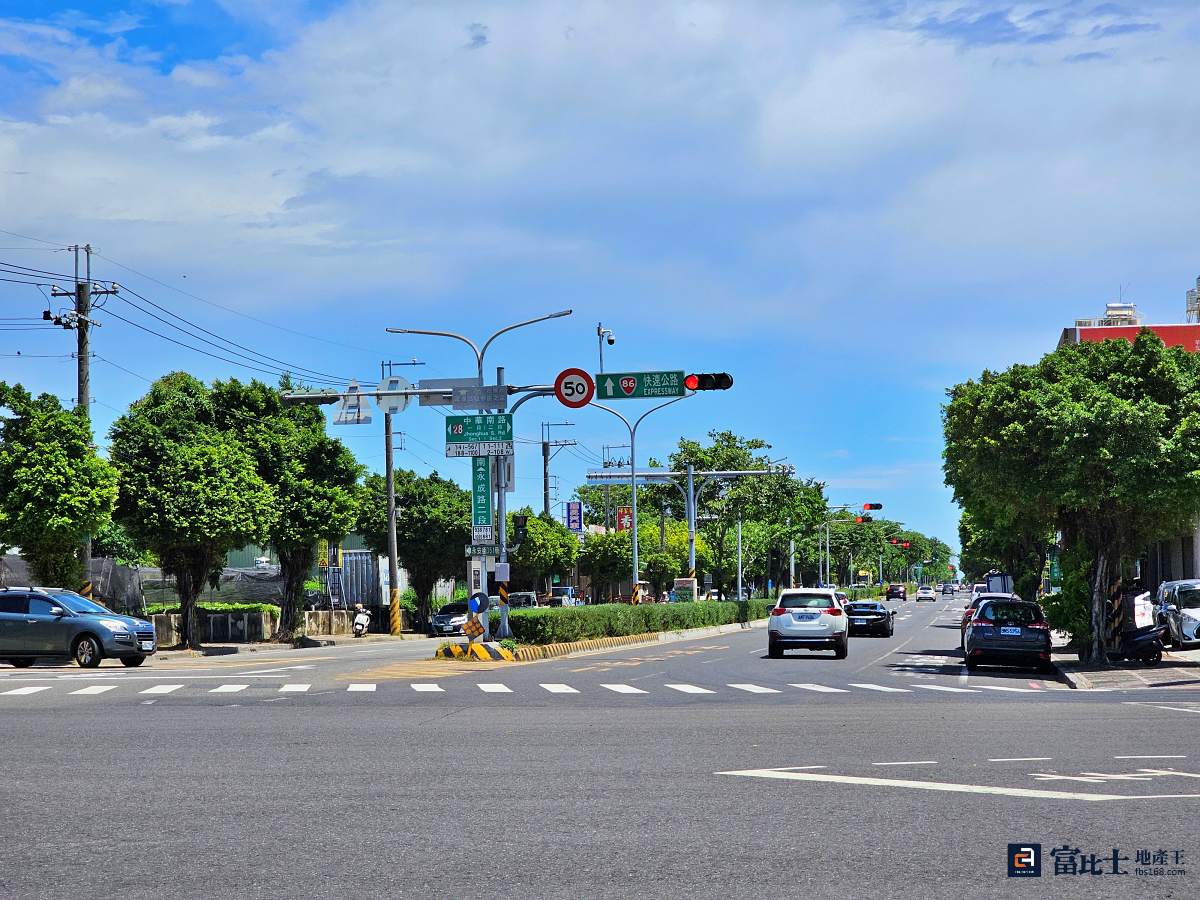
(574, 388)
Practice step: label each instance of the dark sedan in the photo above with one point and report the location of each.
(896, 592)
(1008, 632)
(871, 617)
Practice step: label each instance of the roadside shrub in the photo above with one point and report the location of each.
(580, 623)
(158, 609)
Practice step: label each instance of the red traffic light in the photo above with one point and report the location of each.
(708, 381)
(872, 506)
(905, 545)
(893, 541)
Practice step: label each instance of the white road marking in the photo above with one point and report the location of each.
(689, 689)
(820, 688)
(23, 691)
(755, 689)
(228, 689)
(162, 689)
(427, 688)
(1172, 708)
(1150, 757)
(624, 689)
(928, 785)
(294, 688)
(1043, 776)
(559, 688)
(942, 687)
(495, 688)
(95, 689)
(997, 687)
(280, 669)
(1140, 777)
(360, 687)
(909, 762)
(880, 687)
(1022, 759)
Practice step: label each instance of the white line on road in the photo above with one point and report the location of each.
(755, 689)
(997, 687)
(428, 688)
(624, 689)
(942, 687)
(1022, 759)
(95, 689)
(495, 688)
(1150, 757)
(559, 688)
(1156, 706)
(280, 669)
(226, 689)
(294, 688)
(23, 691)
(820, 688)
(161, 689)
(360, 687)
(880, 687)
(909, 762)
(689, 689)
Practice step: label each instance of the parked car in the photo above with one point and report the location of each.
(55, 623)
(1008, 631)
(1180, 610)
(522, 600)
(870, 617)
(896, 592)
(811, 619)
(978, 589)
(449, 619)
(970, 609)
(925, 592)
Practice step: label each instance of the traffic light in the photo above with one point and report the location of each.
(519, 525)
(860, 519)
(708, 381)
(905, 545)
(867, 506)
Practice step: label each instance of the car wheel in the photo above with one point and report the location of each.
(21, 663)
(971, 664)
(132, 661)
(87, 652)
(1152, 659)
(842, 648)
(774, 651)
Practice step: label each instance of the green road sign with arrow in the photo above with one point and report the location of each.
(639, 385)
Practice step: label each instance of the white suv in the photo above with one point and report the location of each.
(810, 619)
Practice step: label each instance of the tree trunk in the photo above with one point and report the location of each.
(422, 585)
(294, 566)
(1099, 586)
(190, 579)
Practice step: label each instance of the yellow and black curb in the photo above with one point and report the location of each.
(488, 651)
(551, 651)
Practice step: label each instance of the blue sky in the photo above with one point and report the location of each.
(849, 206)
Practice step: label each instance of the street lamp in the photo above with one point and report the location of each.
(604, 334)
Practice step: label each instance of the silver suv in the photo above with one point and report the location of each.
(810, 619)
(38, 623)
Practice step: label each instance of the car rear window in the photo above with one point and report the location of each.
(1011, 613)
(802, 601)
(452, 609)
(863, 607)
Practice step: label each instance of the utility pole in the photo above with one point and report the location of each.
(547, 444)
(395, 621)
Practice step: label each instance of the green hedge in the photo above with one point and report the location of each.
(158, 609)
(580, 623)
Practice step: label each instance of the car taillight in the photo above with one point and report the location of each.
(779, 611)
(1040, 626)
(833, 611)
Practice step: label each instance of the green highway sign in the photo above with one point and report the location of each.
(481, 491)
(639, 385)
(483, 549)
(482, 435)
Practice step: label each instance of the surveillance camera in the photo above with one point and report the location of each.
(611, 340)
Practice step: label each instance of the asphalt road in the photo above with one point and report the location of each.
(696, 768)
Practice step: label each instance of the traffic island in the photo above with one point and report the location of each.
(488, 651)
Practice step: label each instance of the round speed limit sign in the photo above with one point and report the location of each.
(574, 388)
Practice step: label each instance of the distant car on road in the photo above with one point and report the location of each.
(896, 592)
(522, 600)
(870, 617)
(978, 589)
(55, 623)
(810, 619)
(925, 592)
(449, 619)
(1007, 631)
(948, 588)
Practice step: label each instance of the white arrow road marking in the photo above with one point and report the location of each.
(755, 689)
(625, 688)
(228, 689)
(880, 687)
(1042, 776)
(820, 688)
(96, 689)
(427, 688)
(294, 688)
(560, 688)
(162, 689)
(1141, 777)
(689, 689)
(360, 687)
(22, 691)
(495, 688)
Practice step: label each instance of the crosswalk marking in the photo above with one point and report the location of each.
(997, 687)
(689, 689)
(495, 688)
(294, 688)
(560, 688)
(755, 689)
(880, 687)
(820, 688)
(22, 691)
(161, 689)
(428, 688)
(96, 689)
(942, 687)
(229, 689)
(623, 689)
(360, 687)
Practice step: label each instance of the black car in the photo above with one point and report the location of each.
(1007, 631)
(896, 592)
(871, 617)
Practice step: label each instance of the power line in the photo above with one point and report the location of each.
(8, 265)
(122, 368)
(26, 237)
(20, 355)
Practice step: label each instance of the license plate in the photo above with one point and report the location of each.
(1010, 630)
(806, 617)
(858, 621)
(147, 645)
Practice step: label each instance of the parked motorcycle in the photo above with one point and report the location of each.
(1144, 645)
(362, 621)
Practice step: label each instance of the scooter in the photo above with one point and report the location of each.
(362, 621)
(1144, 645)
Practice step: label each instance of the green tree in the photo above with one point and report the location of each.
(548, 549)
(606, 558)
(660, 569)
(189, 492)
(111, 540)
(54, 489)
(433, 524)
(312, 475)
